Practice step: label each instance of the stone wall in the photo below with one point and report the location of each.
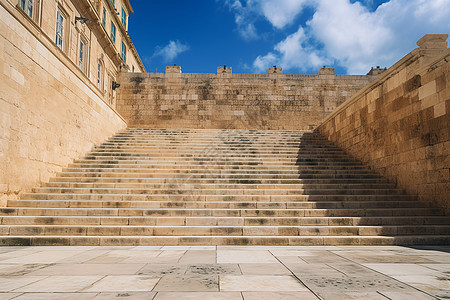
(227, 100)
(50, 112)
(400, 124)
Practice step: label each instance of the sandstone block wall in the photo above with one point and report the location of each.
(400, 124)
(227, 100)
(50, 113)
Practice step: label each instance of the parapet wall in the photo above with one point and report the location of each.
(400, 124)
(235, 101)
(50, 113)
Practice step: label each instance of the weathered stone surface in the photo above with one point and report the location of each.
(226, 100)
(399, 125)
(50, 111)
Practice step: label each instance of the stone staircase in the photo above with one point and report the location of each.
(219, 187)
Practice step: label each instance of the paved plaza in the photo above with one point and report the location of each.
(225, 272)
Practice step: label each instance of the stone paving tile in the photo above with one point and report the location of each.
(126, 296)
(20, 270)
(287, 252)
(425, 282)
(279, 295)
(56, 296)
(107, 258)
(8, 284)
(257, 283)
(124, 283)
(198, 295)
(196, 272)
(264, 269)
(83, 256)
(88, 269)
(372, 256)
(171, 283)
(8, 296)
(442, 259)
(62, 284)
(162, 269)
(445, 268)
(414, 295)
(216, 269)
(198, 257)
(290, 260)
(351, 295)
(403, 269)
(136, 257)
(40, 257)
(240, 256)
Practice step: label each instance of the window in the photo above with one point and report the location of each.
(124, 52)
(113, 32)
(59, 29)
(82, 55)
(100, 75)
(104, 18)
(124, 18)
(27, 6)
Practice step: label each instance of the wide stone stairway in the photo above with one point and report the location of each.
(219, 187)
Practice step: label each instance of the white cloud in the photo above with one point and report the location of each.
(292, 53)
(358, 39)
(279, 13)
(244, 16)
(262, 63)
(171, 50)
(350, 34)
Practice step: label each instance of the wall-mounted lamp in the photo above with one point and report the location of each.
(115, 85)
(81, 19)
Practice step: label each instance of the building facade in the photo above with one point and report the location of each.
(59, 64)
(93, 34)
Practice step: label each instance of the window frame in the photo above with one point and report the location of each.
(83, 52)
(104, 17)
(113, 32)
(60, 35)
(27, 7)
(124, 52)
(124, 18)
(100, 75)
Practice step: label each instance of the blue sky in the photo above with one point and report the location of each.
(299, 35)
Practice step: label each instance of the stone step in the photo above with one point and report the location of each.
(215, 180)
(219, 212)
(93, 230)
(191, 197)
(303, 173)
(222, 161)
(224, 221)
(219, 187)
(223, 166)
(225, 175)
(192, 149)
(225, 191)
(76, 240)
(184, 147)
(214, 204)
(184, 185)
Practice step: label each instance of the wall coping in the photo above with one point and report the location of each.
(393, 70)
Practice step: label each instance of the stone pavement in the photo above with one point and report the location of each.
(225, 272)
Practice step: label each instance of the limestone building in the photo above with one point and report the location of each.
(92, 34)
(58, 68)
